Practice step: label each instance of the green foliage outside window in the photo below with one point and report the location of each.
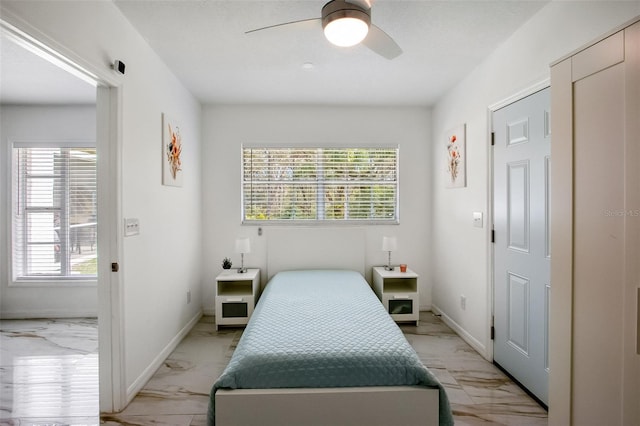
(320, 184)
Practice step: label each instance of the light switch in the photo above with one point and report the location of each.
(477, 219)
(131, 226)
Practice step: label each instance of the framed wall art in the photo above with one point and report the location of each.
(456, 163)
(171, 152)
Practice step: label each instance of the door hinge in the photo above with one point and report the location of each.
(115, 267)
(493, 138)
(493, 236)
(493, 328)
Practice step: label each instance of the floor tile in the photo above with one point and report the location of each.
(49, 364)
(124, 420)
(49, 371)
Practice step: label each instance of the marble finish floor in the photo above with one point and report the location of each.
(48, 372)
(49, 376)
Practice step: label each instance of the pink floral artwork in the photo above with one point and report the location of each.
(456, 158)
(171, 153)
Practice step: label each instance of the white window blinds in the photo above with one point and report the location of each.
(54, 212)
(320, 184)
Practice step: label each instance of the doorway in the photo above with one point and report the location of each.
(57, 80)
(522, 257)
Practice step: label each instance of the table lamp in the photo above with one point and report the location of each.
(243, 245)
(389, 244)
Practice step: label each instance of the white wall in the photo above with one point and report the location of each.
(225, 128)
(161, 264)
(35, 124)
(521, 61)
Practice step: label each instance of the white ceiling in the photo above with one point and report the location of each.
(204, 43)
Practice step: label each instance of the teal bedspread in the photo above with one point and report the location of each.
(314, 329)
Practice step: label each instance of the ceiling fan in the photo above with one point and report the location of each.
(347, 23)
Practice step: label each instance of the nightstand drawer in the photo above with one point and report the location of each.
(234, 310)
(401, 307)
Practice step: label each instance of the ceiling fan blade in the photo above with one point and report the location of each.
(381, 43)
(302, 21)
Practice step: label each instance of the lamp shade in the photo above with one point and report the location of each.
(389, 244)
(243, 245)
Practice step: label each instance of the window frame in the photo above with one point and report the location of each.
(80, 280)
(320, 222)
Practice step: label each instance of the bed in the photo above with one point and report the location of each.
(321, 350)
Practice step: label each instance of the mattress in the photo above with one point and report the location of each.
(314, 329)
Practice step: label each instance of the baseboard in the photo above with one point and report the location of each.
(148, 372)
(472, 341)
(40, 314)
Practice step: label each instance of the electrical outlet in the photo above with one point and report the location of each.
(188, 296)
(463, 302)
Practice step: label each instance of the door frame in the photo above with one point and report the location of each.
(527, 91)
(112, 379)
(112, 385)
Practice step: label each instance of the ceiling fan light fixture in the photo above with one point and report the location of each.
(345, 24)
(346, 32)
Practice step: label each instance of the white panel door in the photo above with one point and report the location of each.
(521, 161)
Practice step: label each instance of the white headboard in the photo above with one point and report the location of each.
(298, 248)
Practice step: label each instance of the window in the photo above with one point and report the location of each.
(54, 212)
(333, 185)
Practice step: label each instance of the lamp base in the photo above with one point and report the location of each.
(388, 267)
(242, 269)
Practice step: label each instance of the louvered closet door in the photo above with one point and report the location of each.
(522, 255)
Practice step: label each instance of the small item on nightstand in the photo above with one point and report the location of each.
(403, 267)
(226, 263)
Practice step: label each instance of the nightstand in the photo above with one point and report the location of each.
(398, 292)
(236, 295)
